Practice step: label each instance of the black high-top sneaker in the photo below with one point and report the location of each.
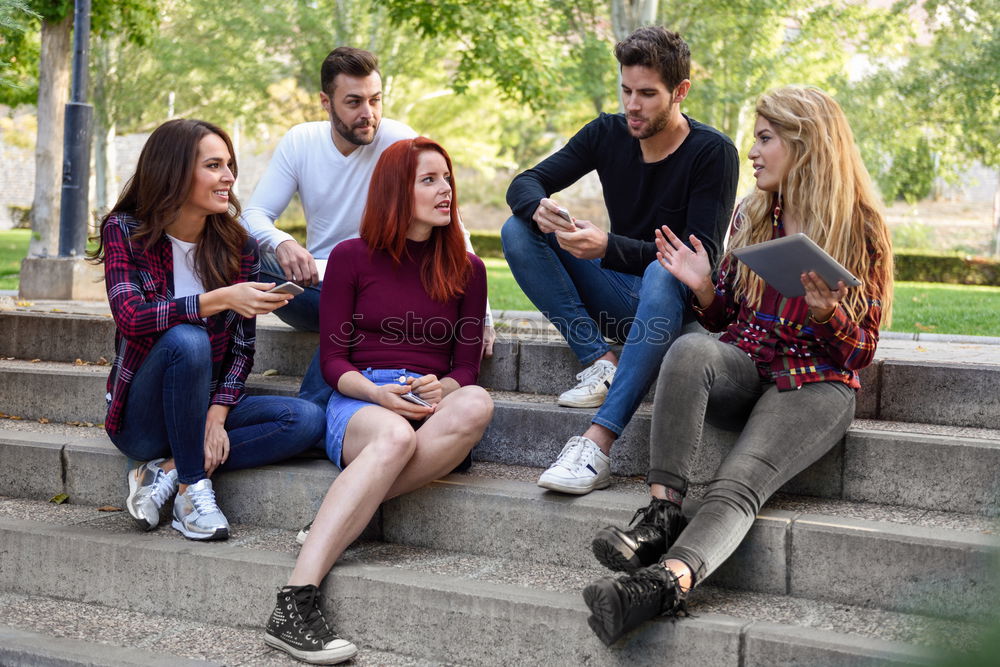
(654, 529)
(620, 605)
(297, 627)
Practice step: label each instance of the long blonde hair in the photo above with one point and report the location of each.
(830, 191)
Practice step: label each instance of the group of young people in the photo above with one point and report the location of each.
(399, 300)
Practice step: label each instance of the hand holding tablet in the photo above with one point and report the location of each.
(781, 263)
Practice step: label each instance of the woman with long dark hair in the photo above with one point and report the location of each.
(785, 370)
(181, 278)
(401, 319)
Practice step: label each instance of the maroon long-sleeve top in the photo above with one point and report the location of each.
(375, 313)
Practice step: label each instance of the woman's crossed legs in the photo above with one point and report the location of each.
(385, 457)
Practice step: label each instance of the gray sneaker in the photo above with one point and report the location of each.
(149, 487)
(196, 515)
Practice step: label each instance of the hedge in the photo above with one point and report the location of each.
(932, 267)
(911, 266)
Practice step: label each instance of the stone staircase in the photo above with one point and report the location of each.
(883, 552)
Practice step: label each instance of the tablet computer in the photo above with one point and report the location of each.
(781, 263)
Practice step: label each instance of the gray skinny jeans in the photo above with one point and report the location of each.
(782, 433)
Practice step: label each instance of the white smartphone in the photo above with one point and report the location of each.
(287, 288)
(564, 214)
(413, 398)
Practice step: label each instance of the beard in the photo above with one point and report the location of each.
(351, 133)
(653, 126)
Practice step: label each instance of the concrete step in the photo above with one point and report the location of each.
(916, 560)
(959, 383)
(26, 648)
(436, 605)
(878, 461)
(40, 630)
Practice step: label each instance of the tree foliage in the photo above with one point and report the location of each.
(133, 20)
(501, 83)
(15, 19)
(933, 108)
(952, 84)
(533, 50)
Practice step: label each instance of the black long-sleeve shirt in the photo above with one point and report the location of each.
(691, 191)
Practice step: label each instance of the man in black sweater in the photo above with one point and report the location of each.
(657, 167)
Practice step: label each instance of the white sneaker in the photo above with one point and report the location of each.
(149, 489)
(304, 533)
(196, 514)
(580, 468)
(592, 387)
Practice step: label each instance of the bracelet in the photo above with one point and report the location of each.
(827, 320)
(698, 309)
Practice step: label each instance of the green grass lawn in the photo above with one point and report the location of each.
(951, 309)
(919, 307)
(13, 248)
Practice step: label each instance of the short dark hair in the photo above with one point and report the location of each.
(346, 60)
(657, 48)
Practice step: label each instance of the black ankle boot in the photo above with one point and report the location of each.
(654, 529)
(297, 626)
(620, 605)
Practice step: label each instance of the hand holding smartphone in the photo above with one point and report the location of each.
(287, 288)
(571, 223)
(413, 398)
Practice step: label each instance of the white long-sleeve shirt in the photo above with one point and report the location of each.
(333, 187)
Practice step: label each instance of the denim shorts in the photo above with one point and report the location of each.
(340, 409)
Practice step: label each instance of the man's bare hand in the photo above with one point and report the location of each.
(548, 219)
(298, 265)
(489, 335)
(586, 242)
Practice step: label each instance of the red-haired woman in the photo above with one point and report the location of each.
(401, 313)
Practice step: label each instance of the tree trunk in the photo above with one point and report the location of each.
(627, 15)
(996, 217)
(105, 159)
(53, 92)
(105, 185)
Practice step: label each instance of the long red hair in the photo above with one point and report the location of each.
(446, 268)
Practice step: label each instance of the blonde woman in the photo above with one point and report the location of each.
(785, 369)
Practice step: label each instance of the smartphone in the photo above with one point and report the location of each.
(413, 398)
(287, 288)
(564, 214)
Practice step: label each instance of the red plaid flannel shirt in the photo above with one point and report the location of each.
(140, 288)
(788, 348)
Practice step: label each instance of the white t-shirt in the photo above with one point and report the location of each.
(333, 187)
(186, 281)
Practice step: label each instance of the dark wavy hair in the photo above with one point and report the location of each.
(446, 269)
(659, 49)
(161, 185)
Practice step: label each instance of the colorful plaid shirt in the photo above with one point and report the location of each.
(789, 348)
(140, 288)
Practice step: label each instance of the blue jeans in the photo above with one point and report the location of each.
(588, 303)
(301, 313)
(168, 402)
